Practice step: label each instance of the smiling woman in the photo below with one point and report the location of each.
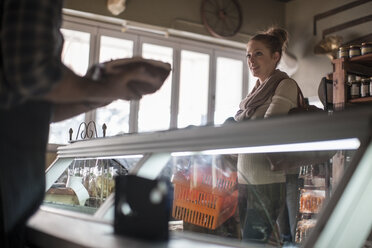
(274, 94)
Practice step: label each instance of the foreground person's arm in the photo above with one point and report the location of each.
(74, 94)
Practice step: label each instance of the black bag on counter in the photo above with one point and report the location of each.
(141, 208)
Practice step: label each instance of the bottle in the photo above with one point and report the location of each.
(366, 48)
(349, 83)
(364, 87)
(355, 88)
(77, 169)
(354, 51)
(343, 52)
(86, 174)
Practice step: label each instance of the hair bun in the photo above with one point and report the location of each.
(280, 33)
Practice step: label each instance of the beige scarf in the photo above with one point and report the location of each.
(259, 95)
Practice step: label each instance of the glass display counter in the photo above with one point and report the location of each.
(287, 181)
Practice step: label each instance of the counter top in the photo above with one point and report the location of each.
(57, 228)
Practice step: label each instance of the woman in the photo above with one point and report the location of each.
(262, 191)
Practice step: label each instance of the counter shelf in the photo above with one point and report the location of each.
(193, 150)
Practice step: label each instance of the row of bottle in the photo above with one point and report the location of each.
(303, 229)
(358, 87)
(311, 201)
(312, 195)
(355, 50)
(96, 176)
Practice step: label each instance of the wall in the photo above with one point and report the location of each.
(299, 22)
(185, 14)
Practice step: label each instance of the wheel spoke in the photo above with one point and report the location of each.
(220, 4)
(227, 22)
(228, 5)
(210, 12)
(213, 2)
(233, 17)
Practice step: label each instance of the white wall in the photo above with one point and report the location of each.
(299, 22)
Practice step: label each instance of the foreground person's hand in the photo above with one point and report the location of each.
(132, 78)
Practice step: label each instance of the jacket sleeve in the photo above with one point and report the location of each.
(285, 98)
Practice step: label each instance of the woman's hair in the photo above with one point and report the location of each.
(274, 38)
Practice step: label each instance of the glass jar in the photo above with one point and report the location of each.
(349, 82)
(366, 48)
(343, 52)
(355, 88)
(354, 51)
(364, 87)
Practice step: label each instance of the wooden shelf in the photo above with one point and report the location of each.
(359, 69)
(362, 99)
(359, 65)
(363, 59)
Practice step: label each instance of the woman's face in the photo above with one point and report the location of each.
(260, 60)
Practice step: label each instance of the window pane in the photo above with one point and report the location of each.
(116, 114)
(115, 48)
(228, 88)
(193, 102)
(59, 131)
(75, 52)
(75, 55)
(154, 110)
(241, 192)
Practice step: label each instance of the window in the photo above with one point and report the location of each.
(116, 114)
(203, 87)
(115, 48)
(229, 75)
(75, 52)
(194, 78)
(155, 109)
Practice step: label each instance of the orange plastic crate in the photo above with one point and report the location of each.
(200, 204)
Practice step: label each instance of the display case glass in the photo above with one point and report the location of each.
(285, 181)
(87, 182)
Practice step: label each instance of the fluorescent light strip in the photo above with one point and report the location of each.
(109, 157)
(342, 144)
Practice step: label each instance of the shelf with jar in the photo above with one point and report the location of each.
(352, 74)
